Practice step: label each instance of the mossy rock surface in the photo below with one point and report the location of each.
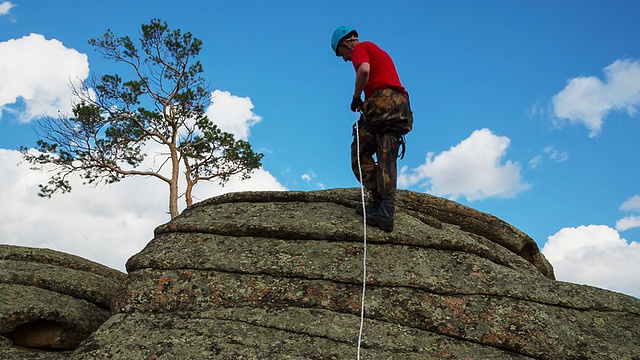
(279, 275)
(51, 301)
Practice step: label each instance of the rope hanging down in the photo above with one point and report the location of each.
(364, 222)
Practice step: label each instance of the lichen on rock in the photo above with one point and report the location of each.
(278, 275)
(50, 301)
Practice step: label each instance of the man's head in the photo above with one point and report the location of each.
(343, 41)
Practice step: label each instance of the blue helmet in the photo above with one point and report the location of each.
(340, 33)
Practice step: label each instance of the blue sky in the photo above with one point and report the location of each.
(527, 110)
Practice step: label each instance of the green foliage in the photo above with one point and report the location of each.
(217, 154)
(164, 104)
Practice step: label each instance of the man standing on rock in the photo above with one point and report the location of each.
(386, 118)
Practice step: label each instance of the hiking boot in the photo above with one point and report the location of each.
(383, 216)
(371, 207)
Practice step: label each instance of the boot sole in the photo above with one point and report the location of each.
(382, 225)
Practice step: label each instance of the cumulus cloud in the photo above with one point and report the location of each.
(5, 7)
(473, 169)
(36, 74)
(595, 255)
(232, 113)
(631, 204)
(587, 100)
(106, 224)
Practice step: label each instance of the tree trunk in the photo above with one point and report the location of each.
(173, 198)
(173, 184)
(188, 197)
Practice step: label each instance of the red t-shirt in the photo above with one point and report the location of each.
(383, 74)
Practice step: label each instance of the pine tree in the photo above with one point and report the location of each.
(163, 103)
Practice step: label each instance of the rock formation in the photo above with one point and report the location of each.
(50, 301)
(278, 275)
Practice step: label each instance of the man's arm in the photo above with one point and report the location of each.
(362, 76)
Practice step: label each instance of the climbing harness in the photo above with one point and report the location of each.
(402, 144)
(364, 222)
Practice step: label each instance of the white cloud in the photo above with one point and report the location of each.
(588, 100)
(631, 204)
(261, 180)
(232, 113)
(472, 169)
(311, 176)
(549, 153)
(595, 255)
(536, 161)
(38, 72)
(106, 224)
(632, 221)
(5, 7)
(556, 155)
(628, 222)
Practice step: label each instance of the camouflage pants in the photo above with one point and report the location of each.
(386, 117)
(380, 177)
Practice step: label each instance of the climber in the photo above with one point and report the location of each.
(385, 118)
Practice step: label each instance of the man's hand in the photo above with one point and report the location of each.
(356, 103)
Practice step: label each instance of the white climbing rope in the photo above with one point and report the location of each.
(364, 222)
